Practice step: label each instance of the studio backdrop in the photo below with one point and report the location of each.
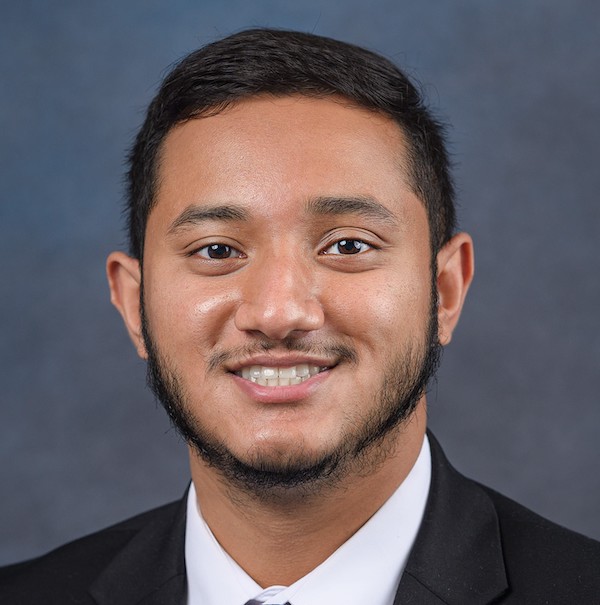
(82, 442)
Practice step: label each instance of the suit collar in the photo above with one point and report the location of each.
(457, 558)
(150, 569)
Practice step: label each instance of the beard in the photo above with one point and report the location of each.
(364, 445)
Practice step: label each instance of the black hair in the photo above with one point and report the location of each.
(276, 62)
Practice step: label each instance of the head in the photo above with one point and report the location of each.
(293, 267)
(283, 63)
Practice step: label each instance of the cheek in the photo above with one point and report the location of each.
(189, 312)
(380, 312)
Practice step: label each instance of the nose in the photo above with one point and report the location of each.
(279, 299)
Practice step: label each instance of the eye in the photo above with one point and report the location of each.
(218, 252)
(348, 246)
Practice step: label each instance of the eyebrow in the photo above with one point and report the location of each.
(361, 205)
(195, 215)
(321, 206)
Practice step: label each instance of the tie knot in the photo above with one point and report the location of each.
(257, 602)
(266, 594)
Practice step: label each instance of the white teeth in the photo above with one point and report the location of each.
(287, 372)
(274, 377)
(302, 370)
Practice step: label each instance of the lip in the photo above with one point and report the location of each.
(280, 361)
(280, 394)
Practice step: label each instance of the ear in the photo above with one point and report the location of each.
(455, 268)
(125, 278)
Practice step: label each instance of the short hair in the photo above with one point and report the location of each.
(280, 63)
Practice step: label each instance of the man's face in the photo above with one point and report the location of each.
(287, 284)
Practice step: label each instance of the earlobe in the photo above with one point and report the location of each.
(455, 269)
(125, 278)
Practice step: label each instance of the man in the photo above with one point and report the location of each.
(294, 270)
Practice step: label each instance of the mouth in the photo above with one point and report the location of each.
(267, 376)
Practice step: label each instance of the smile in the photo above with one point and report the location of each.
(280, 377)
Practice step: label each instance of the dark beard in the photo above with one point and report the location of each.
(405, 381)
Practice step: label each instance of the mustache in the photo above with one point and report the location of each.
(339, 351)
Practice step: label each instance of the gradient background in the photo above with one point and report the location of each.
(82, 443)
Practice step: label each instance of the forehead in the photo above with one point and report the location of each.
(269, 149)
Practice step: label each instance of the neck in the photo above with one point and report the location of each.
(316, 524)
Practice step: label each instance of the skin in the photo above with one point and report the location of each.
(286, 281)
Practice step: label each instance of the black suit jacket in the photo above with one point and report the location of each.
(474, 547)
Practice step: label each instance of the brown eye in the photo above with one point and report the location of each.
(348, 246)
(218, 252)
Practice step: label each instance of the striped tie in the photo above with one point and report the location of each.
(266, 594)
(257, 602)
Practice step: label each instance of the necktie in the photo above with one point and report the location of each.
(265, 594)
(257, 602)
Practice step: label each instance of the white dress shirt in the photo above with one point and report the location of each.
(365, 569)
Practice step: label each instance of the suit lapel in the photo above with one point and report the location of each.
(150, 569)
(457, 557)
(456, 560)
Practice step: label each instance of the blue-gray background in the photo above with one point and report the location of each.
(82, 443)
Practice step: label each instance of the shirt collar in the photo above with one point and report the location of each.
(365, 569)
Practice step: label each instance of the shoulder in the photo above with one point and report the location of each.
(68, 571)
(538, 551)
(475, 541)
